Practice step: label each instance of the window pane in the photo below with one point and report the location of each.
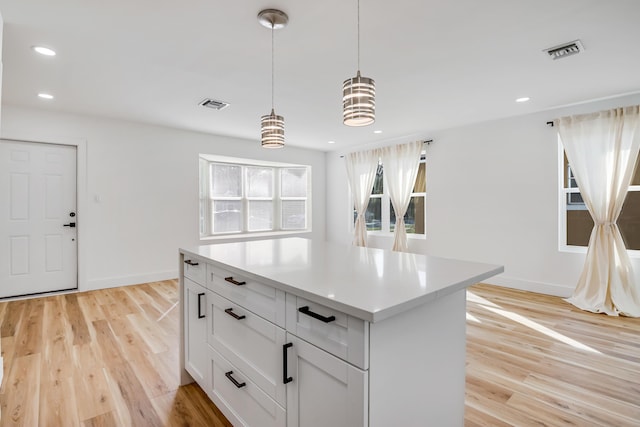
(294, 215)
(580, 223)
(203, 216)
(636, 175)
(294, 182)
(413, 219)
(226, 180)
(373, 216)
(260, 215)
(259, 182)
(420, 185)
(566, 173)
(629, 220)
(575, 199)
(378, 183)
(227, 216)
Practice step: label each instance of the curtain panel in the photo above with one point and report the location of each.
(401, 163)
(361, 172)
(602, 149)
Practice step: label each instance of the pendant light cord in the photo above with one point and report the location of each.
(358, 35)
(272, 67)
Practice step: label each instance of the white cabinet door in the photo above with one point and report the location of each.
(324, 390)
(196, 353)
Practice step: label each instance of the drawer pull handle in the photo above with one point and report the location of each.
(233, 380)
(191, 263)
(230, 312)
(235, 282)
(200, 315)
(285, 377)
(305, 310)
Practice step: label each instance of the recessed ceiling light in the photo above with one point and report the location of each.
(523, 99)
(44, 50)
(377, 131)
(45, 96)
(331, 142)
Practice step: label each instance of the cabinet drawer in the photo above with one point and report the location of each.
(194, 269)
(263, 300)
(332, 330)
(241, 401)
(250, 342)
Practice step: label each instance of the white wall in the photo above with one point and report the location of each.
(492, 196)
(142, 189)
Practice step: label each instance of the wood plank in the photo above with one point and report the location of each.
(77, 320)
(21, 398)
(187, 406)
(57, 360)
(58, 402)
(12, 317)
(103, 420)
(108, 344)
(139, 406)
(93, 395)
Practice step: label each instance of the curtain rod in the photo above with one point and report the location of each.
(426, 141)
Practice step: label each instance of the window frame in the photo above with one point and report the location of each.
(563, 197)
(205, 211)
(386, 206)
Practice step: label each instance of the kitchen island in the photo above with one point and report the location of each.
(295, 332)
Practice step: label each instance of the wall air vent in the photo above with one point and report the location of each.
(564, 50)
(212, 103)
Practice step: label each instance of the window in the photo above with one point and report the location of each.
(380, 216)
(242, 196)
(576, 222)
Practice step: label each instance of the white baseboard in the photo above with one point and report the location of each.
(114, 282)
(526, 285)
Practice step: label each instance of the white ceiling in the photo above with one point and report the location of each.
(436, 64)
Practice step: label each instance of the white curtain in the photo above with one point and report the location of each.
(602, 149)
(361, 171)
(401, 163)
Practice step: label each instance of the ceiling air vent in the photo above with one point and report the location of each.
(212, 103)
(564, 50)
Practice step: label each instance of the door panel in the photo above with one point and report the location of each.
(38, 188)
(325, 391)
(195, 332)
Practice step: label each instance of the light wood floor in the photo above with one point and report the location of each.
(535, 360)
(100, 358)
(110, 358)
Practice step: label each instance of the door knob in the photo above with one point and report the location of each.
(71, 224)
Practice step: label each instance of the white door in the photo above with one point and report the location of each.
(38, 237)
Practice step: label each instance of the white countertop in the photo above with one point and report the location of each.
(371, 284)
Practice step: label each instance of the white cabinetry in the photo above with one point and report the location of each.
(195, 331)
(258, 374)
(301, 333)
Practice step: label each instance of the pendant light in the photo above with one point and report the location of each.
(358, 95)
(272, 125)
